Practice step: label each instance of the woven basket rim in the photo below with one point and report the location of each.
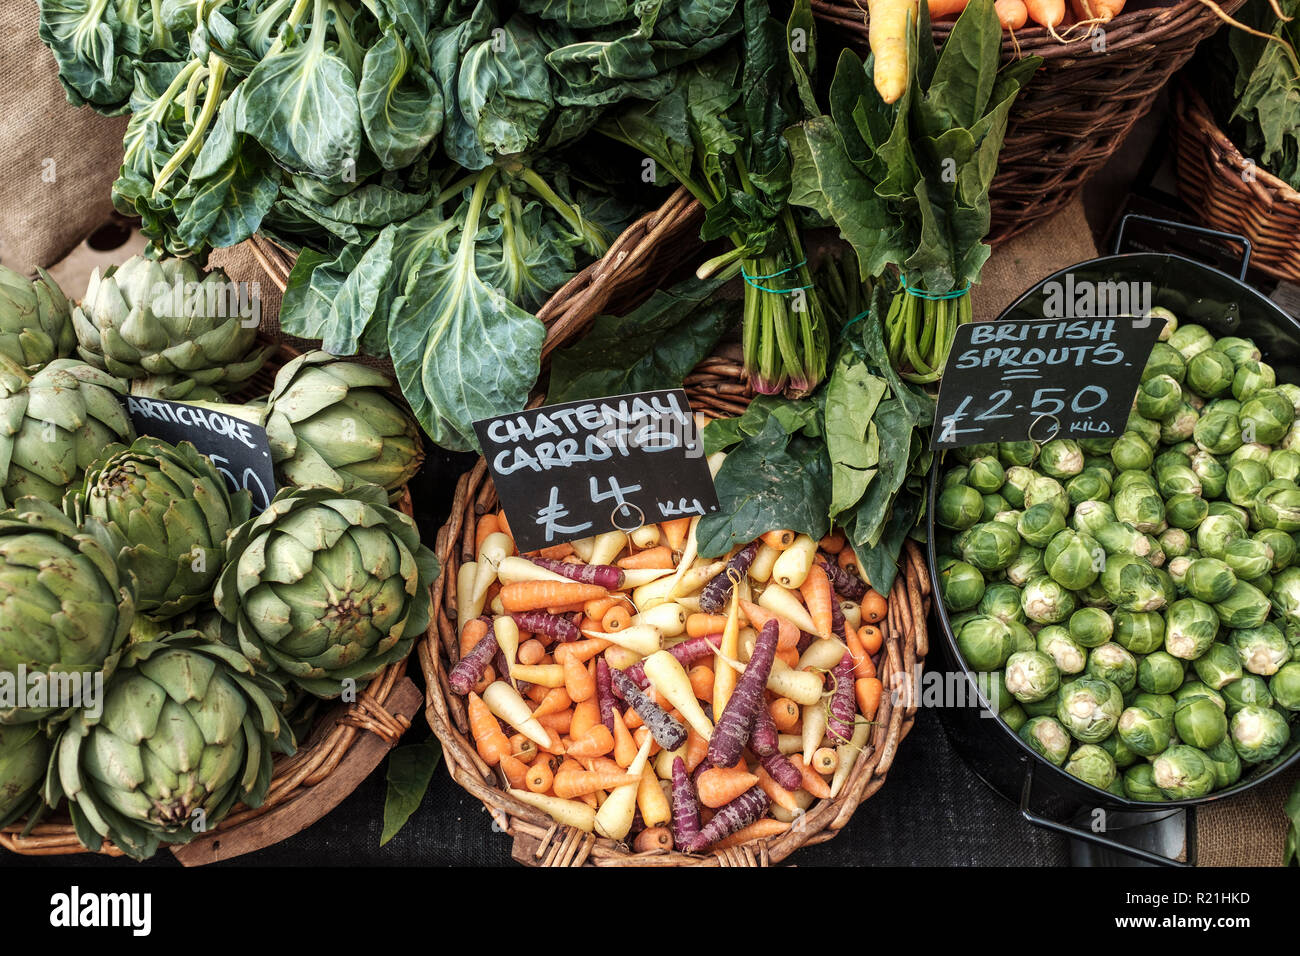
(1190, 107)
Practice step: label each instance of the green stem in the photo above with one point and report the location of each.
(722, 261)
(293, 20)
(594, 242)
(216, 76)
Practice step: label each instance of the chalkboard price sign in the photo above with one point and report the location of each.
(238, 449)
(1031, 379)
(577, 469)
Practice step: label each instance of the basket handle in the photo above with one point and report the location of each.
(1187, 227)
(1088, 836)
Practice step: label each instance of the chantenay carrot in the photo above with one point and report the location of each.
(862, 665)
(651, 800)
(874, 608)
(616, 618)
(596, 742)
(489, 739)
(741, 812)
(675, 532)
(624, 746)
(778, 794)
(472, 633)
(705, 625)
(718, 786)
(868, 691)
(701, 676)
(839, 724)
(832, 542)
(787, 635)
(571, 784)
(737, 721)
(602, 575)
(516, 771)
(1047, 13)
(586, 714)
(659, 558)
(467, 671)
(1012, 14)
(685, 806)
(812, 781)
(653, 839)
(785, 713)
(540, 777)
(538, 595)
(713, 598)
(667, 731)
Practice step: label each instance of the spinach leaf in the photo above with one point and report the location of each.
(852, 438)
(410, 769)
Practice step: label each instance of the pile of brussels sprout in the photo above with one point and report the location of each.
(1133, 603)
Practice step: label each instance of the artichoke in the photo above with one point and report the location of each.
(172, 508)
(325, 588)
(65, 605)
(55, 424)
(35, 319)
(167, 324)
(24, 755)
(186, 731)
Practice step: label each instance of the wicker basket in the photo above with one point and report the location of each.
(1227, 192)
(716, 388)
(1078, 109)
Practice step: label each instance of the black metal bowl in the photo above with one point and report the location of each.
(1227, 306)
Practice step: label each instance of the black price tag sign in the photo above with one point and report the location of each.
(1031, 379)
(576, 469)
(238, 449)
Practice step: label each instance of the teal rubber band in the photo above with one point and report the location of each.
(763, 288)
(857, 318)
(774, 275)
(922, 294)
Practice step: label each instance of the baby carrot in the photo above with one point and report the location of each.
(595, 742)
(718, 786)
(539, 777)
(617, 618)
(578, 681)
(653, 838)
(537, 595)
(790, 655)
(780, 539)
(871, 638)
(487, 525)
(523, 748)
(657, 558)
(862, 666)
(874, 608)
(557, 722)
(785, 713)
(697, 748)
(833, 543)
(590, 624)
(817, 596)
(586, 714)
(574, 608)
(555, 701)
(675, 532)
(624, 746)
(868, 691)
(632, 719)
(474, 632)
(702, 625)
(492, 744)
(504, 527)
(758, 830)
(701, 676)
(581, 651)
(787, 635)
(778, 794)
(650, 799)
(531, 651)
(812, 781)
(555, 552)
(596, 609)
(580, 783)
(516, 771)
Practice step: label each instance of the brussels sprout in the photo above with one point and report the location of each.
(1094, 595)
(1229, 405)
(993, 506)
(1248, 558)
(1162, 704)
(1176, 477)
(1182, 773)
(990, 546)
(1277, 505)
(1178, 569)
(1175, 543)
(1040, 523)
(1047, 738)
(1069, 656)
(1132, 451)
(1186, 511)
(1091, 515)
(1217, 432)
(1044, 489)
(1011, 517)
(1002, 600)
(1031, 676)
(1167, 586)
(1194, 688)
(1119, 751)
(1073, 560)
(1141, 480)
(1284, 686)
(1191, 339)
(1224, 761)
(960, 584)
(1258, 733)
(1144, 731)
(986, 475)
(1180, 425)
(1117, 537)
(1238, 350)
(1046, 602)
(1214, 477)
(1266, 417)
(1160, 673)
(1218, 666)
(1022, 638)
(1061, 458)
(1250, 689)
(1140, 784)
(1210, 374)
(1133, 584)
(1092, 484)
(1145, 429)
(1092, 765)
(1155, 554)
(1190, 628)
(956, 475)
(1158, 397)
(959, 507)
(1245, 479)
(1200, 722)
(984, 642)
(1089, 709)
(1285, 596)
(1264, 583)
(1216, 532)
(1291, 441)
(968, 453)
(1015, 717)
(1292, 393)
(1114, 663)
(1091, 627)
(993, 686)
(1027, 566)
(1226, 509)
(1284, 463)
(1262, 649)
(1245, 607)
(1139, 632)
(1252, 377)
(1250, 451)
(1017, 480)
(1143, 508)
(1093, 447)
(1018, 453)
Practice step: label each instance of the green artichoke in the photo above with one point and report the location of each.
(24, 756)
(35, 319)
(65, 605)
(172, 507)
(186, 731)
(168, 324)
(55, 424)
(327, 589)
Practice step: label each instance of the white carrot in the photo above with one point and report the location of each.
(814, 729)
(506, 704)
(848, 754)
(466, 607)
(668, 676)
(761, 568)
(615, 816)
(572, 813)
(641, 638)
(794, 563)
(783, 603)
(507, 635)
(822, 655)
(669, 618)
(607, 547)
(514, 570)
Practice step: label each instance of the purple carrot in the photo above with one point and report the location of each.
(605, 693)
(838, 624)
(846, 583)
(602, 575)
(715, 593)
(552, 625)
(733, 728)
(687, 653)
(469, 669)
(738, 814)
(839, 725)
(782, 771)
(668, 732)
(764, 740)
(703, 765)
(805, 640)
(686, 811)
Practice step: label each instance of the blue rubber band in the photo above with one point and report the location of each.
(857, 318)
(797, 265)
(749, 280)
(922, 294)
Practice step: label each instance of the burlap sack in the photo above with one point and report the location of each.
(59, 161)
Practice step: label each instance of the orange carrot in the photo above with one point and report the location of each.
(624, 746)
(504, 527)
(697, 748)
(1047, 13)
(812, 780)
(675, 532)
(617, 618)
(1012, 14)
(492, 744)
(596, 609)
(555, 701)
(536, 595)
(862, 666)
(596, 741)
(577, 679)
(516, 771)
(871, 638)
(785, 713)
(579, 783)
(653, 838)
(660, 557)
(474, 632)
(537, 693)
(788, 655)
(557, 609)
(640, 735)
(702, 625)
(817, 595)
(586, 714)
(874, 608)
(489, 675)
(758, 830)
(523, 748)
(632, 719)
(487, 525)
(780, 538)
(701, 676)
(650, 800)
(556, 552)
(946, 8)
(718, 786)
(540, 777)
(779, 795)
(787, 634)
(833, 543)
(531, 651)
(868, 691)
(590, 624)
(583, 650)
(848, 560)
(558, 722)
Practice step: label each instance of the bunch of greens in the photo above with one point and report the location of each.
(907, 183)
(718, 132)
